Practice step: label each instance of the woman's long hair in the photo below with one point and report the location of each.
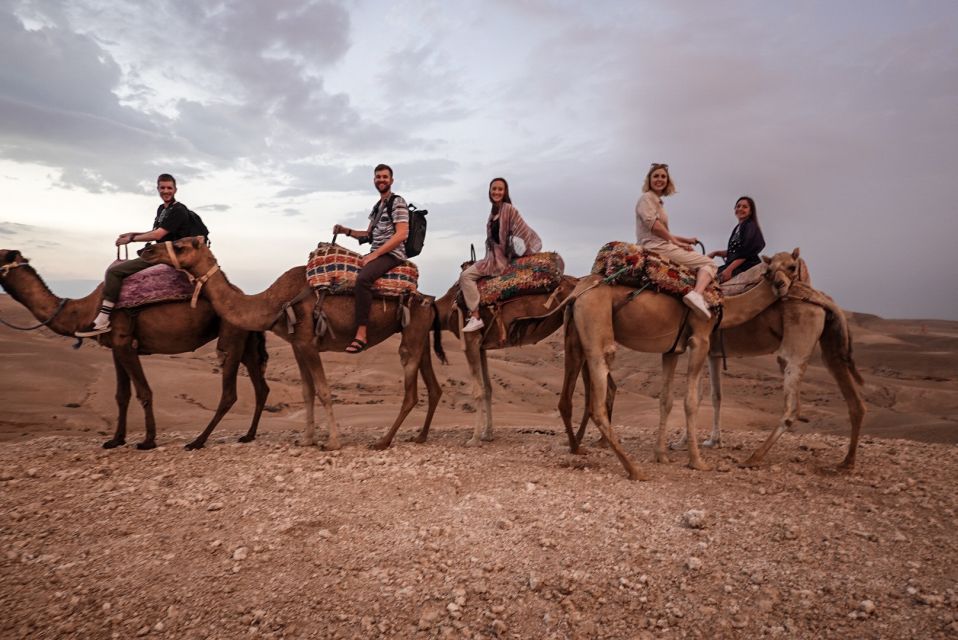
(753, 216)
(505, 196)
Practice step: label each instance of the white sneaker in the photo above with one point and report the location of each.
(93, 330)
(474, 324)
(694, 301)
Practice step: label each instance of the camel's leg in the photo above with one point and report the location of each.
(487, 395)
(600, 442)
(795, 354)
(599, 360)
(134, 368)
(573, 366)
(308, 388)
(254, 359)
(230, 367)
(433, 394)
(411, 359)
(715, 383)
(698, 353)
(122, 403)
(841, 371)
(474, 357)
(669, 361)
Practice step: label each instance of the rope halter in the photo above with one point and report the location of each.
(197, 282)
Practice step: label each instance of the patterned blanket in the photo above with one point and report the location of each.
(631, 265)
(334, 268)
(538, 273)
(159, 283)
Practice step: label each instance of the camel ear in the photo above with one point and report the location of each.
(196, 241)
(766, 259)
(795, 253)
(12, 255)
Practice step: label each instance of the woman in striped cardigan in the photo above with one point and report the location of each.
(507, 237)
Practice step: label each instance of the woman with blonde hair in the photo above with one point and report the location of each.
(652, 233)
(507, 237)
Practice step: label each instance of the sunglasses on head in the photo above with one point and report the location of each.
(659, 165)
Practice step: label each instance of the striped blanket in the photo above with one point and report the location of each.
(334, 268)
(630, 265)
(159, 283)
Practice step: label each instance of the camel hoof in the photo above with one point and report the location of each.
(418, 439)
(712, 444)
(113, 444)
(662, 458)
(679, 445)
(472, 442)
(636, 476)
(751, 463)
(847, 465)
(246, 438)
(196, 444)
(487, 437)
(379, 445)
(146, 445)
(332, 445)
(699, 465)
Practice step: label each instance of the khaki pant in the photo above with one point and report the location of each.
(690, 259)
(116, 273)
(468, 280)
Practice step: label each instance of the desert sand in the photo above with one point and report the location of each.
(516, 539)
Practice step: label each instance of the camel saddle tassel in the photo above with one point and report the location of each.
(320, 320)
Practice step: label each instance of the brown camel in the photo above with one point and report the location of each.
(171, 327)
(790, 328)
(270, 310)
(497, 335)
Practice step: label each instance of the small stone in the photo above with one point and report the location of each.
(241, 553)
(214, 506)
(143, 631)
(867, 607)
(694, 519)
(158, 627)
(499, 626)
(535, 583)
(693, 564)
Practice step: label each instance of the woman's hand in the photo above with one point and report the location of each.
(712, 254)
(725, 276)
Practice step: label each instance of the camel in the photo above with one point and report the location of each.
(498, 322)
(169, 327)
(290, 294)
(598, 315)
(790, 328)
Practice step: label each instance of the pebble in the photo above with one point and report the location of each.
(694, 518)
(241, 553)
(867, 607)
(693, 564)
(214, 506)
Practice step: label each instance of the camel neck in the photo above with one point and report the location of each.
(257, 312)
(745, 306)
(27, 287)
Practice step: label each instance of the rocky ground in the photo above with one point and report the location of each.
(518, 539)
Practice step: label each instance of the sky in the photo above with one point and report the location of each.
(839, 117)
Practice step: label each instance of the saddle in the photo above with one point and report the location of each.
(538, 273)
(159, 283)
(627, 264)
(333, 269)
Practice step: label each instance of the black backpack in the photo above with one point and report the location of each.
(417, 227)
(197, 228)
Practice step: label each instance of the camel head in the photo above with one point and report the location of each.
(187, 253)
(784, 268)
(10, 259)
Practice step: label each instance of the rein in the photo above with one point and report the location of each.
(4, 271)
(198, 282)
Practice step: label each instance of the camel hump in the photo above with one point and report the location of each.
(334, 269)
(159, 283)
(631, 265)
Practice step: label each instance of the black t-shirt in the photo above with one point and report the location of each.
(175, 218)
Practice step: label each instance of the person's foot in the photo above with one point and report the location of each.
(92, 330)
(694, 301)
(356, 346)
(474, 324)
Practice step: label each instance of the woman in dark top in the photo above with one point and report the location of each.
(745, 243)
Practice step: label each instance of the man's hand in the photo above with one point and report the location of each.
(338, 228)
(125, 238)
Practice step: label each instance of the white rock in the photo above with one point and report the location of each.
(241, 553)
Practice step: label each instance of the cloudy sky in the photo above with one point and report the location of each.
(840, 117)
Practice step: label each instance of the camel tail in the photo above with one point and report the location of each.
(836, 341)
(437, 336)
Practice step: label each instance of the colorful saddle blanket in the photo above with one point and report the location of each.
(631, 265)
(334, 268)
(159, 283)
(538, 273)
